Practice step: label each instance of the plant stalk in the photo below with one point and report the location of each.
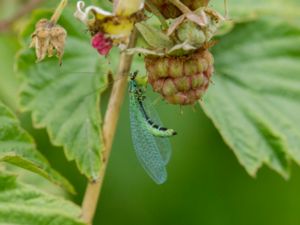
(58, 11)
(226, 9)
(93, 190)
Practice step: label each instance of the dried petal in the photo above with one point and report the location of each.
(48, 39)
(57, 41)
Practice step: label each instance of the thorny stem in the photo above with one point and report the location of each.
(58, 11)
(93, 190)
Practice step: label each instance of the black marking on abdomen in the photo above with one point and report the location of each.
(149, 121)
(156, 126)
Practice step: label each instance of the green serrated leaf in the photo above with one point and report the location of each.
(18, 148)
(155, 38)
(8, 81)
(255, 100)
(65, 99)
(22, 204)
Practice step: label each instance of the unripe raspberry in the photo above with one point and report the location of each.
(180, 79)
(170, 11)
(189, 31)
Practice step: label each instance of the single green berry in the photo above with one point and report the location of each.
(190, 32)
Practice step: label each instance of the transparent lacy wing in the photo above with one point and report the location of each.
(145, 144)
(162, 142)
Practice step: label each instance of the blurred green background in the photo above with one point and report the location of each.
(206, 184)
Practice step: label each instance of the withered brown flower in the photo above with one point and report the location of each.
(48, 39)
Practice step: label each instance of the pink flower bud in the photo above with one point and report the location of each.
(101, 43)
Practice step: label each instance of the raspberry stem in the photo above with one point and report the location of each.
(93, 190)
(226, 9)
(58, 11)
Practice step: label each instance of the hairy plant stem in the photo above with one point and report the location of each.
(93, 190)
(58, 11)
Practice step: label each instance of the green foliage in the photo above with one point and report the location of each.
(252, 9)
(254, 101)
(155, 38)
(18, 148)
(22, 204)
(8, 82)
(65, 99)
